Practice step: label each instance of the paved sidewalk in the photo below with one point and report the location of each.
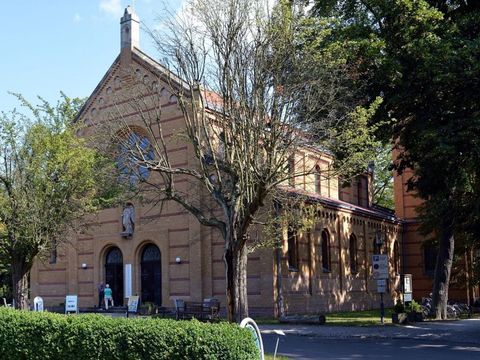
(462, 331)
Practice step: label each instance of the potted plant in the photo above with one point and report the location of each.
(415, 313)
(147, 308)
(399, 315)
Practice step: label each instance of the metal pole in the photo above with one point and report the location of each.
(276, 348)
(382, 309)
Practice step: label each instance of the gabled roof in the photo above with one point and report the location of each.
(139, 57)
(372, 212)
(98, 88)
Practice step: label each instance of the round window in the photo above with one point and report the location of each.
(134, 152)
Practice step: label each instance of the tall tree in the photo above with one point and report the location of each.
(47, 183)
(239, 85)
(421, 56)
(383, 178)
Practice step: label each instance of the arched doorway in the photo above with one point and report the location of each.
(114, 274)
(151, 272)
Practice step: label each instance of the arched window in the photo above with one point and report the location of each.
(151, 274)
(396, 258)
(325, 244)
(114, 274)
(376, 247)
(318, 180)
(134, 151)
(114, 256)
(151, 253)
(292, 249)
(352, 250)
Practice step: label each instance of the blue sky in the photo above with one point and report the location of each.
(50, 46)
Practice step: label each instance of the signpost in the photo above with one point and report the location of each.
(380, 266)
(381, 286)
(380, 273)
(71, 304)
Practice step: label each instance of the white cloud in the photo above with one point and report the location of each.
(77, 18)
(111, 7)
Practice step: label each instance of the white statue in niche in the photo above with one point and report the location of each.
(128, 220)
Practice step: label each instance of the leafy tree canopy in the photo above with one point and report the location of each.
(421, 57)
(49, 179)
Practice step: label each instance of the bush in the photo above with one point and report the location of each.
(147, 308)
(399, 307)
(414, 307)
(30, 335)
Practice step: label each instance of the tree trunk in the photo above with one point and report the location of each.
(20, 284)
(278, 261)
(443, 269)
(280, 304)
(236, 275)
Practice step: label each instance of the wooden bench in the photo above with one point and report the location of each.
(207, 310)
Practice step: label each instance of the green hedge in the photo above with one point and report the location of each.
(30, 335)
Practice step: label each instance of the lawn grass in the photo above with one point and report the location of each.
(358, 318)
(266, 321)
(278, 357)
(344, 318)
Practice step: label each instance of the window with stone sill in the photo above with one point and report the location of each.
(396, 258)
(352, 252)
(292, 249)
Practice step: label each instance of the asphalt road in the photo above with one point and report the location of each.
(307, 347)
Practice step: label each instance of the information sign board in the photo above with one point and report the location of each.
(407, 283)
(380, 266)
(71, 303)
(133, 304)
(38, 304)
(381, 285)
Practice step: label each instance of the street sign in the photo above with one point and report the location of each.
(407, 283)
(381, 286)
(380, 266)
(407, 288)
(71, 303)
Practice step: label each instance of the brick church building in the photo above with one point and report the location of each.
(169, 255)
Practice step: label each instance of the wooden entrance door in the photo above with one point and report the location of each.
(114, 274)
(151, 273)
